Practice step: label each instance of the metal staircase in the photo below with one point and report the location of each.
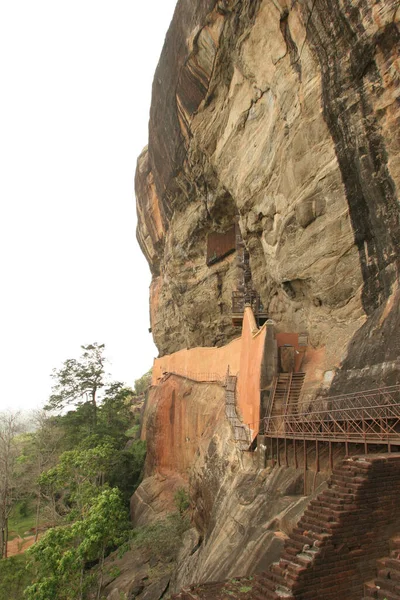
(285, 394)
(240, 431)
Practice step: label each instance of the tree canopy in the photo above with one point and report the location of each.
(78, 470)
(79, 380)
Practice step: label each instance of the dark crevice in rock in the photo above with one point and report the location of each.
(291, 46)
(347, 58)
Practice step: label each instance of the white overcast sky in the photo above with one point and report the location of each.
(75, 79)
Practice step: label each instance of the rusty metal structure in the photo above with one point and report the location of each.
(245, 295)
(198, 377)
(220, 245)
(368, 418)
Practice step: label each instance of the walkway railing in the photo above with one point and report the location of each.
(199, 377)
(371, 416)
(240, 299)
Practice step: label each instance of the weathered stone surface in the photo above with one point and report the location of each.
(291, 121)
(249, 520)
(240, 515)
(284, 116)
(154, 498)
(156, 590)
(125, 573)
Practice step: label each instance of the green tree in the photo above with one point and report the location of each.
(115, 415)
(182, 500)
(14, 577)
(79, 381)
(127, 468)
(76, 480)
(61, 556)
(43, 455)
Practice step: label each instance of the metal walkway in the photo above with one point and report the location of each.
(369, 417)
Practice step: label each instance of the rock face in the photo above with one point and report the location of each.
(269, 111)
(240, 513)
(281, 119)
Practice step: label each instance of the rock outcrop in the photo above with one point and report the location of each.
(273, 112)
(241, 511)
(274, 122)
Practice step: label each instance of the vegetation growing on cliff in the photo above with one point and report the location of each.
(73, 477)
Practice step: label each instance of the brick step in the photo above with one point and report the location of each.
(296, 543)
(386, 595)
(265, 584)
(324, 513)
(261, 592)
(332, 503)
(290, 565)
(284, 593)
(344, 479)
(313, 518)
(394, 543)
(388, 586)
(315, 525)
(277, 579)
(339, 493)
(389, 567)
(370, 589)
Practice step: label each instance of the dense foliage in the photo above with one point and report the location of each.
(15, 575)
(74, 475)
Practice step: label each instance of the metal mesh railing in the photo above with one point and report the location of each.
(371, 416)
(240, 299)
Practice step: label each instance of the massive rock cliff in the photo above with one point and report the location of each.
(278, 118)
(285, 115)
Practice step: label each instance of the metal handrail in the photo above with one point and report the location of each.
(240, 299)
(369, 416)
(199, 377)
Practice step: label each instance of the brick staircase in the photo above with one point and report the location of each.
(386, 584)
(343, 532)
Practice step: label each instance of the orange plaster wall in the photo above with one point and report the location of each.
(248, 392)
(244, 357)
(200, 361)
(180, 418)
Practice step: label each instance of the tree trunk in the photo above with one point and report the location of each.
(53, 506)
(81, 585)
(101, 574)
(37, 515)
(1, 542)
(6, 539)
(38, 500)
